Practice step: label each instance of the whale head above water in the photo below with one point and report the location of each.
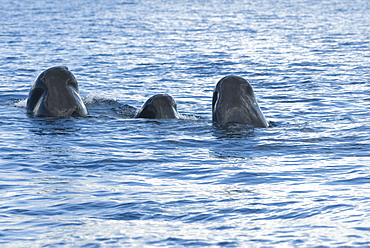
(234, 102)
(55, 94)
(160, 106)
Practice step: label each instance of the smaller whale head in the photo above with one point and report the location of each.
(55, 93)
(234, 102)
(160, 106)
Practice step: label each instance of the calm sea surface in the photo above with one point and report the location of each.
(108, 180)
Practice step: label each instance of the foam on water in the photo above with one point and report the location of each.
(21, 103)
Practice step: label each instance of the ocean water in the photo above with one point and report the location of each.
(109, 180)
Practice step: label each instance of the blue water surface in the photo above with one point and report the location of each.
(109, 180)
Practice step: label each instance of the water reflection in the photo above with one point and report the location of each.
(233, 131)
(54, 126)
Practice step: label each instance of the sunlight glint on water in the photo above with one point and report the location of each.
(111, 180)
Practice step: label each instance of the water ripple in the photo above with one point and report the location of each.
(108, 179)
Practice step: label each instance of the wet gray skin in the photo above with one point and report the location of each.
(55, 94)
(161, 106)
(234, 102)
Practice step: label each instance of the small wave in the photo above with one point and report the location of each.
(190, 117)
(351, 181)
(126, 111)
(99, 105)
(95, 98)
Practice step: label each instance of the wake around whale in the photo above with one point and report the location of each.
(234, 102)
(160, 106)
(55, 94)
